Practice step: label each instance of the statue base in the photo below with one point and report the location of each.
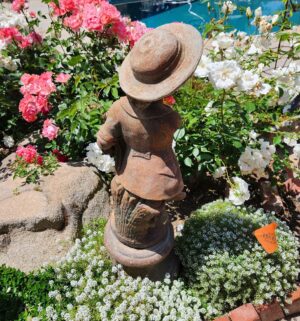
(152, 262)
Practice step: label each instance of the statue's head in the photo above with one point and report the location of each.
(160, 62)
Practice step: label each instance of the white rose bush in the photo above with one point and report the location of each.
(236, 109)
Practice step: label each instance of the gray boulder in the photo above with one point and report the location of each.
(38, 223)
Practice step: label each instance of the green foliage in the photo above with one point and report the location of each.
(18, 290)
(224, 264)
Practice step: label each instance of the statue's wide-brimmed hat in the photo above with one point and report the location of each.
(161, 61)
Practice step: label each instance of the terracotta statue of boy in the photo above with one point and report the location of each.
(139, 128)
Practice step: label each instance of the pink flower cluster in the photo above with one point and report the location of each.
(29, 154)
(12, 34)
(36, 90)
(98, 15)
(49, 131)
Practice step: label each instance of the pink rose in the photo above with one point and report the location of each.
(38, 85)
(28, 154)
(62, 78)
(74, 22)
(119, 29)
(46, 84)
(57, 11)
(109, 13)
(32, 14)
(18, 5)
(30, 40)
(30, 106)
(67, 5)
(9, 34)
(49, 129)
(91, 18)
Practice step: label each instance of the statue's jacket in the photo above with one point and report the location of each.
(148, 166)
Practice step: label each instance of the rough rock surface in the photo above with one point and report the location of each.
(39, 222)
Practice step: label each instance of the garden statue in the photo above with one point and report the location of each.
(139, 130)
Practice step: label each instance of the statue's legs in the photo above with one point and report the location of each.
(139, 235)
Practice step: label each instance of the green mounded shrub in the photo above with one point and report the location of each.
(224, 264)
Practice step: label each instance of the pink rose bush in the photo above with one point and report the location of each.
(65, 83)
(98, 16)
(49, 131)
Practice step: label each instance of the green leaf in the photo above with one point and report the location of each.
(277, 140)
(188, 162)
(75, 60)
(250, 107)
(196, 151)
(179, 133)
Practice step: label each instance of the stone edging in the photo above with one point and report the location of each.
(265, 312)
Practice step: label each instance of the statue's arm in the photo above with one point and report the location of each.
(110, 132)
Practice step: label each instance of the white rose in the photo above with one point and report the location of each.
(202, 69)
(223, 41)
(253, 50)
(224, 74)
(105, 163)
(247, 81)
(8, 141)
(239, 192)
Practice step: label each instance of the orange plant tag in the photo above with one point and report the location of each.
(267, 238)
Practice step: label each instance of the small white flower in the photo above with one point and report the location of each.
(8, 141)
(262, 89)
(253, 134)
(209, 109)
(258, 12)
(248, 12)
(239, 192)
(290, 141)
(228, 7)
(219, 172)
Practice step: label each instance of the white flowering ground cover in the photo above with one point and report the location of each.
(226, 266)
(87, 287)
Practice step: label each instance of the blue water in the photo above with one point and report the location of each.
(237, 20)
